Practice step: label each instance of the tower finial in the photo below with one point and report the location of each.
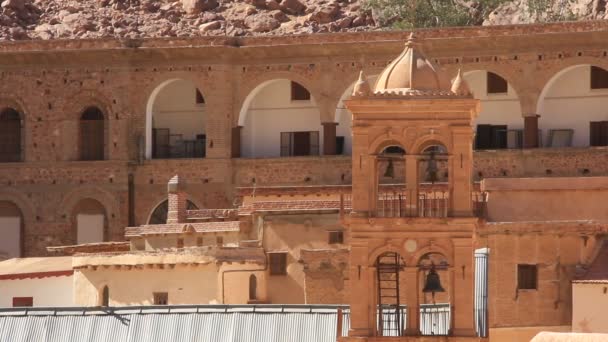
(362, 87)
(460, 86)
(411, 40)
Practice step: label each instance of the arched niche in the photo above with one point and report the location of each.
(89, 221)
(92, 134)
(499, 123)
(176, 121)
(280, 118)
(344, 117)
(11, 135)
(570, 102)
(11, 230)
(159, 213)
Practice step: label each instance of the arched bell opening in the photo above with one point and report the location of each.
(390, 180)
(434, 296)
(433, 178)
(390, 290)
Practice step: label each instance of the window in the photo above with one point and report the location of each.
(92, 134)
(527, 276)
(278, 263)
(10, 136)
(161, 298)
(299, 144)
(180, 243)
(598, 133)
(105, 296)
(515, 138)
(23, 302)
(219, 240)
(199, 241)
(253, 287)
(490, 137)
(336, 237)
(199, 97)
(560, 137)
(599, 78)
(299, 93)
(339, 145)
(496, 84)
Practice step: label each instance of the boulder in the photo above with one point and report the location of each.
(292, 7)
(261, 23)
(17, 5)
(198, 6)
(210, 26)
(325, 14)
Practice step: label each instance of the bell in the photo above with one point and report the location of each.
(390, 170)
(433, 283)
(431, 169)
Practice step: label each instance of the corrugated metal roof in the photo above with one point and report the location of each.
(175, 323)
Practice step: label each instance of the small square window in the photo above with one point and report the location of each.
(527, 277)
(220, 240)
(199, 97)
(180, 243)
(496, 84)
(23, 302)
(161, 298)
(278, 263)
(299, 93)
(336, 237)
(199, 241)
(599, 78)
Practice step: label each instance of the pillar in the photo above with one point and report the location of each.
(236, 142)
(177, 201)
(362, 166)
(360, 301)
(460, 163)
(531, 131)
(463, 282)
(411, 183)
(412, 301)
(329, 138)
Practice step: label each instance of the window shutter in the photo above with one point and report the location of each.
(298, 92)
(599, 78)
(483, 137)
(604, 134)
(595, 133)
(339, 145)
(496, 84)
(278, 263)
(499, 136)
(285, 144)
(314, 143)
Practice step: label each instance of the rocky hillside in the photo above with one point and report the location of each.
(61, 19)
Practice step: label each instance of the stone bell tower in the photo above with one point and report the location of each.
(423, 225)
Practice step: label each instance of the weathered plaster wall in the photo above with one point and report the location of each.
(589, 310)
(46, 292)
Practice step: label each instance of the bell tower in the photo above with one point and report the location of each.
(412, 222)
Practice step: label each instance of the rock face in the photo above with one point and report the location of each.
(75, 19)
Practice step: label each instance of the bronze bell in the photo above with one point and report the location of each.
(431, 169)
(390, 169)
(433, 283)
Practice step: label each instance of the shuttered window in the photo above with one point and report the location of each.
(299, 144)
(527, 277)
(599, 78)
(560, 137)
(199, 97)
(23, 302)
(496, 84)
(278, 263)
(490, 137)
(10, 136)
(92, 130)
(598, 133)
(336, 237)
(161, 298)
(299, 93)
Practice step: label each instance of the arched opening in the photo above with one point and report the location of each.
(500, 123)
(390, 294)
(433, 174)
(11, 230)
(391, 191)
(159, 214)
(253, 287)
(434, 296)
(90, 221)
(572, 107)
(105, 296)
(92, 134)
(176, 121)
(280, 118)
(344, 119)
(11, 133)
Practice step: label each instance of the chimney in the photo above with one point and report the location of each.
(176, 212)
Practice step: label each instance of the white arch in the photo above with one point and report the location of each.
(249, 99)
(149, 114)
(549, 85)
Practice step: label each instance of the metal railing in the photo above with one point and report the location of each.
(435, 319)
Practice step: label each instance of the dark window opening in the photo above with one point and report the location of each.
(180, 243)
(199, 241)
(161, 298)
(299, 93)
(496, 84)
(278, 263)
(490, 137)
(23, 302)
(339, 145)
(10, 136)
(105, 296)
(599, 78)
(166, 145)
(527, 277)
(253, 287)
(159, 215)
(92, 142)
(560, 137)
(299, 144)
(199, 97)
(219, 240)
(598, 135)
(336, 237)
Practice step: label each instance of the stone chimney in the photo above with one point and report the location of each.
(176, 212)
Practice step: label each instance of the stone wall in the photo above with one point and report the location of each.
(326, 276)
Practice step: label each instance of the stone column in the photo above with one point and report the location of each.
(412, 288)
(236, 142)
(531, 131)
(461, 165)
(360, 303)
(329, 138)
(463, 280)
(411, 183)
(362, 164)
(177, 201)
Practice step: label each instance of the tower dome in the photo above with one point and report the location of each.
(412, 72)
